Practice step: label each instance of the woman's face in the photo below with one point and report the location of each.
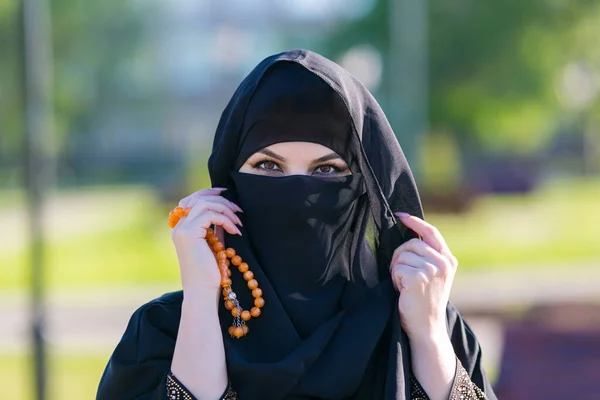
(296, 158)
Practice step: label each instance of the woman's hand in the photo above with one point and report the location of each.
(423, 271)
(199, 355)
(199, 272)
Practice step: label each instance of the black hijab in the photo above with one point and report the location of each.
(319, 248)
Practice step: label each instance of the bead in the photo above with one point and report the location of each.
(226, 282)
(176, 214)
(225, 257)
(236, 260)
(255, 312)
(230, 252)
(238, 332)
(243, 267)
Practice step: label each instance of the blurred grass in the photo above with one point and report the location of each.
(69, 376)
(557, 225)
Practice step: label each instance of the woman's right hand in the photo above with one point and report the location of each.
(197, 262)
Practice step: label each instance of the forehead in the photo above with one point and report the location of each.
(298, 150)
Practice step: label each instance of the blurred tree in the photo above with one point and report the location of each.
(92, 40)
(10, 96)
(493, 66)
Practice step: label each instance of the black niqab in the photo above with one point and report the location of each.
(319, 247)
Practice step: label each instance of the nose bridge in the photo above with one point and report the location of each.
(298, 165)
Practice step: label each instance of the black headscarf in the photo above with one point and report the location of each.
(319, 248)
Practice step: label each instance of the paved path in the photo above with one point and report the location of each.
(86, 211)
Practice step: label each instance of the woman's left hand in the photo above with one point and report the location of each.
(423, 271)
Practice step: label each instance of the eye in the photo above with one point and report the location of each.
(267, 165)
(327, 169)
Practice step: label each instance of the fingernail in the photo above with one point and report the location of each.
(239, 221)
(402, 214)
(238, 231)
(219, 189)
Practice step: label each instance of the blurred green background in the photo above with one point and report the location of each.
(506, 150)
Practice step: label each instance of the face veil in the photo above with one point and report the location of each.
(330, 329)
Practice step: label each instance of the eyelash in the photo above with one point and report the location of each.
(258, 165)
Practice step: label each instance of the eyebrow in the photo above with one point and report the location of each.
(331, 156)
(328, 157)
(272, 154)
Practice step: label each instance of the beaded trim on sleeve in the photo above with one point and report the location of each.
(462, 388)
(176, 390)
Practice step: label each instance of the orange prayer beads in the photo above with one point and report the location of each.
(240, 316)
(225, 258)
(176, 214)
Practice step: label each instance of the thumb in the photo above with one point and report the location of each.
(220, 233)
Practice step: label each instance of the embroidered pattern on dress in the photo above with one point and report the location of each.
(462, 389)
(176, 391)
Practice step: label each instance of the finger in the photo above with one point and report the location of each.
(223, 200)
(216, 203)
(420, 248)
(406, 277)
(220, 232)
(200, 223)
(430, 234)
(413, 260)
(215, 206)
(213, 193)
(192, 201)
(185, 202)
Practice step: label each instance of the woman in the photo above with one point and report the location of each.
(312, 190)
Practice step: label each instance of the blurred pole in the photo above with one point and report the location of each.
(36, 51)
(408, 75)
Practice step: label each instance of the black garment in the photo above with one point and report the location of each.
(319, 248)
